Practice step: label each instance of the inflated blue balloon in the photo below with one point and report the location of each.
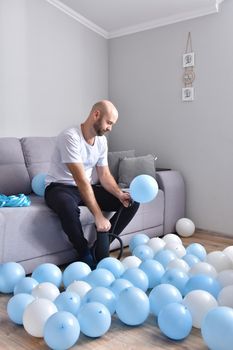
(100, 277)
(162, 295)
(137, 239)
(217, 328)
(177, 278)
(25, 285)
(198, 250)
(113, 265)
(38, 184)
(10, 274)
(164, 256)
(94, 319)
(48, 272)
(132, 306)
(175, 321)
(203, 282)
(119, 285)
(143, 188)
(143, 252)
(101, 295)
(61, 330)
(154, 271)
(16, 306)
(190, 259)
(74, 272)
(137, 277)
(68, 301)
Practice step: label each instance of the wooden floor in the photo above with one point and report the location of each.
(120, 336)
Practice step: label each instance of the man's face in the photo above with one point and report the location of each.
(104, 124)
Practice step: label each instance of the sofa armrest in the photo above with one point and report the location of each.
(172, 184)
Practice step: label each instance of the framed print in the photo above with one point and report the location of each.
(188, 94)
(188, 59)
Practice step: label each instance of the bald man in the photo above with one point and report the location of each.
(69, 182)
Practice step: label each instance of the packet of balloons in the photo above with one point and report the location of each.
(14, 201)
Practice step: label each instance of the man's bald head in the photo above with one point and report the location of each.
(105, 107)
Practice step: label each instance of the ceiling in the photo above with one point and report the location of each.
(112, 18)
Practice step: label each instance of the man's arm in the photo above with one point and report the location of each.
(109, 183)
(88, 196)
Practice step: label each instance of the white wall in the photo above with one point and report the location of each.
(145, 81)
(52, 69)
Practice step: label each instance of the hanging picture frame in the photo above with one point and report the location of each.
(187, 94)
(188, 59)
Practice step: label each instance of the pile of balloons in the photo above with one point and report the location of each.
(161, 277)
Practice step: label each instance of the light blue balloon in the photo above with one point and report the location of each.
(164, 256)
(68, 301)
(101, 295)
(38, 184)
(16, 306)
(198, 250)
(190, 259)
(25, 285)
(133, 306)
(119, 285)
(48, 273)
(113, 265)
(137, 277)
(203, 282)
(10, 274)
(137, 239)
(94, 319)
(175, 321)
(217, 328)
(143, 188)
(154, 271)
(61, 330)
(143, 252)
(75, 272)
(162, 295)
(177, 278)
(100, 277)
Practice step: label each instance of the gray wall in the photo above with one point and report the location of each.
(52, 69)
(145, 81)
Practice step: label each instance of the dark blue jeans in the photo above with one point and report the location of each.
(65, 200)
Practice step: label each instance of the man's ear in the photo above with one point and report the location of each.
(96, 114)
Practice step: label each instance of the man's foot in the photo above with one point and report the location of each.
(89, 260)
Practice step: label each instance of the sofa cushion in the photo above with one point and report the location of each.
(14, 177)
(114, 161)
(37, 153)
(134, 166)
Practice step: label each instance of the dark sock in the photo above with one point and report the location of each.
(88, 258)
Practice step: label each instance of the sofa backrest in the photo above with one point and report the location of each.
(37, 153)
(14, 177)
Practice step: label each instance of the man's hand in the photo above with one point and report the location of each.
(102, 224)
(125, 199)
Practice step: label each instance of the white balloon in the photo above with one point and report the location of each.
(177, 248)
(131, 261)
(178, 264)
(185, 227)
(225, 278)
(46, 290)
(199, 302)
(219, 260)
(171, 237)
(36, 314)
(229, 252)
(156, 244)
(225, 297)
(204, 268)
(79, 287)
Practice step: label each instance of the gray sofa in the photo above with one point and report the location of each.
(33, 235)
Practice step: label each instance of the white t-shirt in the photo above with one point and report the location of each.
(71, 147)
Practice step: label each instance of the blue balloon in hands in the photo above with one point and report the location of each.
(143, 188)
